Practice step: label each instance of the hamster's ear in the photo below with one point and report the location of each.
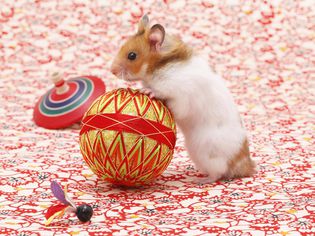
(156, 36)
(143, 24)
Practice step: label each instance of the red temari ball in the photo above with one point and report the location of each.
(127, 138)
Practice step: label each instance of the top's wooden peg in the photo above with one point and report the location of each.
(60, 84)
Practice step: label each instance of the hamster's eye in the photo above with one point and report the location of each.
(132, 56)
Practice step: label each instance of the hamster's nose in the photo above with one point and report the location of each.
(115, 69)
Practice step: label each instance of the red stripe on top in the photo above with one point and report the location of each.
(70, 92)
(59, 83)
(130, 124)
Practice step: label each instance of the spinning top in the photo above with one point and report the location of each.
(66, 103)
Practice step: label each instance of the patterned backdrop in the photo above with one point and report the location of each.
(263, 49)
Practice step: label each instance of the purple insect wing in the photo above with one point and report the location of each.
(59, 193)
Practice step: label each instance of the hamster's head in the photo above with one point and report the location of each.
(137, 57)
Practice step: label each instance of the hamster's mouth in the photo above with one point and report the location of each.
(129, 77)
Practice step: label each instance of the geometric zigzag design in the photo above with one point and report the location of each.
(132, 102)
(132, 147)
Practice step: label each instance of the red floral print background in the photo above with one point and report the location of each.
(265, 51)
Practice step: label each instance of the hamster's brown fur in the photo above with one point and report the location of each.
(148, 52)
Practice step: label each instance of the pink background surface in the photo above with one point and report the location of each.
(263, 49)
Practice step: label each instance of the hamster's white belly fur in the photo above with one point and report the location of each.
(205, 112)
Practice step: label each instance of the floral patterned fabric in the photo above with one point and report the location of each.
(263, 49)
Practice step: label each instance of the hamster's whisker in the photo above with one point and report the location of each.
(123, 75)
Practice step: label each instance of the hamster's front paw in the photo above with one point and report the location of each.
(148, 91)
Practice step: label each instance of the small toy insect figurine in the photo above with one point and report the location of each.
(84, 212)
